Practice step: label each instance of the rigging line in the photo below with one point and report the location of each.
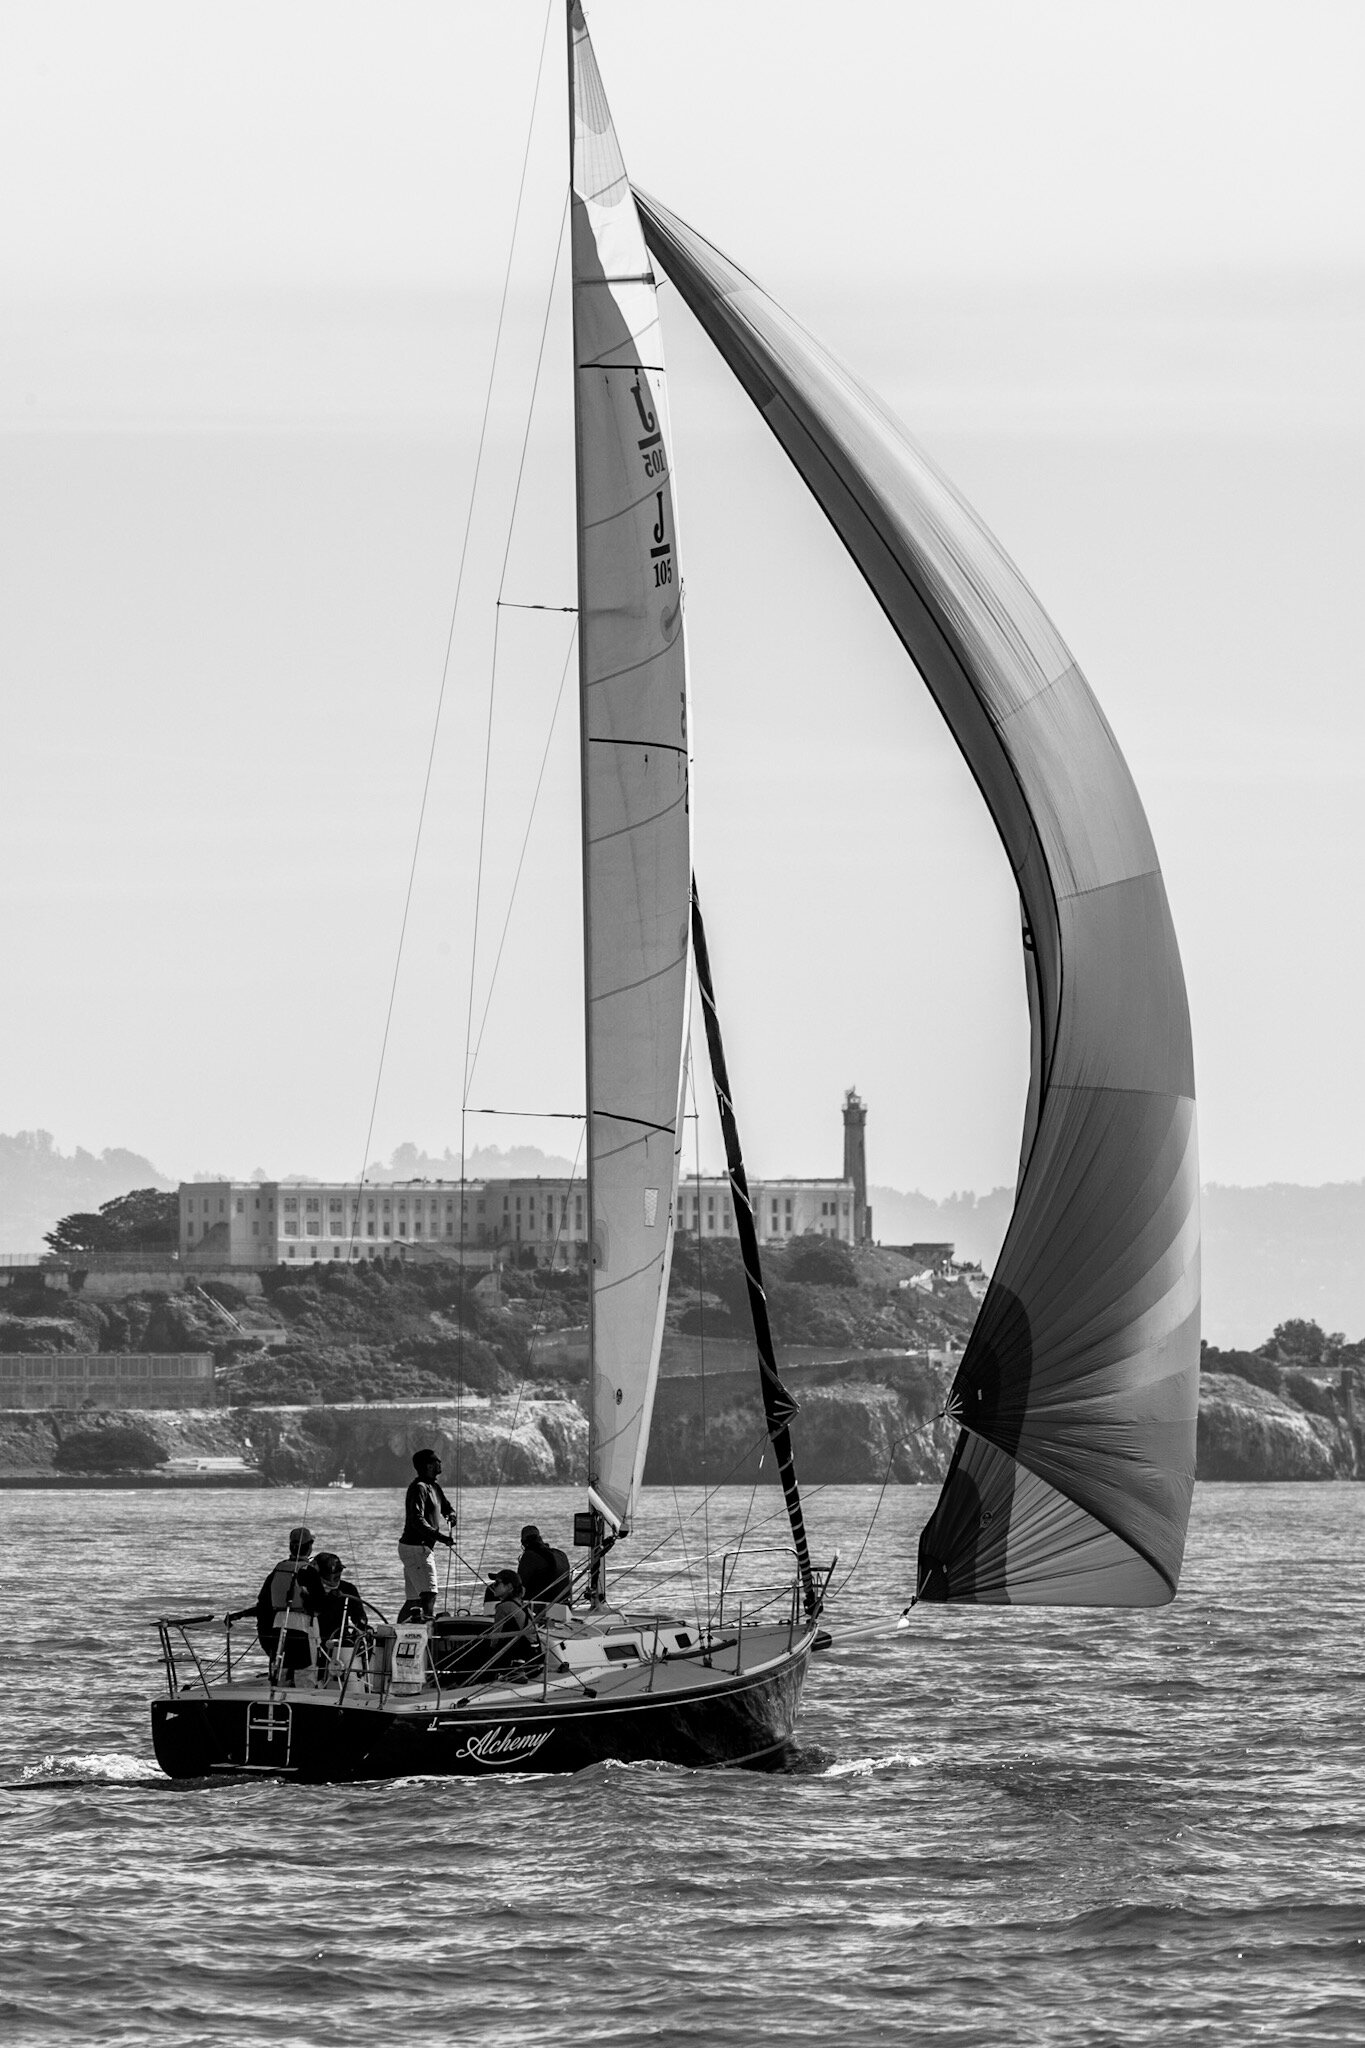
(455, 603)
(568, 1116)
(521, 858)
(627, 1571)
(753, 1491)
(465, 1074)
(682, 1538)
(701, 1312)
(502, 1469)
(530, 410)
(876, 1510)
(521, 1388)
(493, 670)
(509, 604)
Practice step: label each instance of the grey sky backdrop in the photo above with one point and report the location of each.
(1106, 261)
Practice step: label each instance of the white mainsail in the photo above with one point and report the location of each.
(637, 855)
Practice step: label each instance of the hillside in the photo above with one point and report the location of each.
(329, 1334)
(868, 1359)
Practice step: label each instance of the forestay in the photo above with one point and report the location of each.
(1078, 1390)
(636, 827)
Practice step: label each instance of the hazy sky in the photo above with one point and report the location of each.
(1108, 264)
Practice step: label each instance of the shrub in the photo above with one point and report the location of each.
(709, 1319)
(822, 1262)
(1312, 1395)
(1244, 1365)
(123, 1447)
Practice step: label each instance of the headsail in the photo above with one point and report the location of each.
(1078, 1391)
(636, 828)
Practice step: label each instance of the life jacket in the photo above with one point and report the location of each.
(514, 1619)
(286, 1593)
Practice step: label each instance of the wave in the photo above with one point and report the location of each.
(91, 1767)
(894, 1762)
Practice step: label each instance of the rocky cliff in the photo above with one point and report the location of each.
(1248, 1432)
(482, 1442)
(856, 1426)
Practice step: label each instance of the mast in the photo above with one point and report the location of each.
(588, 1176)
(778, 1405)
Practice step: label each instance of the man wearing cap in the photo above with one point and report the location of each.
(424, 1505)
(543, 1571)
(341, 1612)
(286, 1603)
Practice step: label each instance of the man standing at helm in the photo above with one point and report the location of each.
(424, 1507)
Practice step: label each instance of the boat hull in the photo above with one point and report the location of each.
(738, 1719)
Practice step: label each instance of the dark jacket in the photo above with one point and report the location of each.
(545, 1573)
(423, 1505)
(336, 1603)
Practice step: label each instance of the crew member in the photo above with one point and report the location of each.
(285, 1604)
(340, 1610)
(339, 1605)
(544, 1571)
(424, 1507)
(511, 1616)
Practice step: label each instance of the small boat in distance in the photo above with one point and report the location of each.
(341, 1484)
(1077, 1393)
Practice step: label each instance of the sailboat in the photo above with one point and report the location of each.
(1076, 1396)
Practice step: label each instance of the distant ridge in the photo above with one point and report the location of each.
(976, 1224)
(486, 1162)
(1270, 1253)
(38, 1184)
(1280, 1251)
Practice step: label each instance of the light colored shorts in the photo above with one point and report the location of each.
(419, 1570)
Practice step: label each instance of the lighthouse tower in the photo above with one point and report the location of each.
(855, 1164)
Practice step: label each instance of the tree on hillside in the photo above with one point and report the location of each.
(146, 1220)
(1301, 1342)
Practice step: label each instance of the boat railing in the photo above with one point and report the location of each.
(206, 1643)
(761, 1579)
(179, 1646)
(200, 1652)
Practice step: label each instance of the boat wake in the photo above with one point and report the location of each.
(94, 1767)
(893, 1764)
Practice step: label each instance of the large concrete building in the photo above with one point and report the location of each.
(106, 1379)
(269, 1223)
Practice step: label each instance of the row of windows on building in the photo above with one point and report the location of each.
(779, 1214)
(387, 1216)
(55, 1366)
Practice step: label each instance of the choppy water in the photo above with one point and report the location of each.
(1041, 1827)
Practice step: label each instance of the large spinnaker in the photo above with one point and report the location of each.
(637, 853)
(1078, 1391)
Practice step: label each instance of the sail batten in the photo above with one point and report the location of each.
(636, 821)
(1078, 1389)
